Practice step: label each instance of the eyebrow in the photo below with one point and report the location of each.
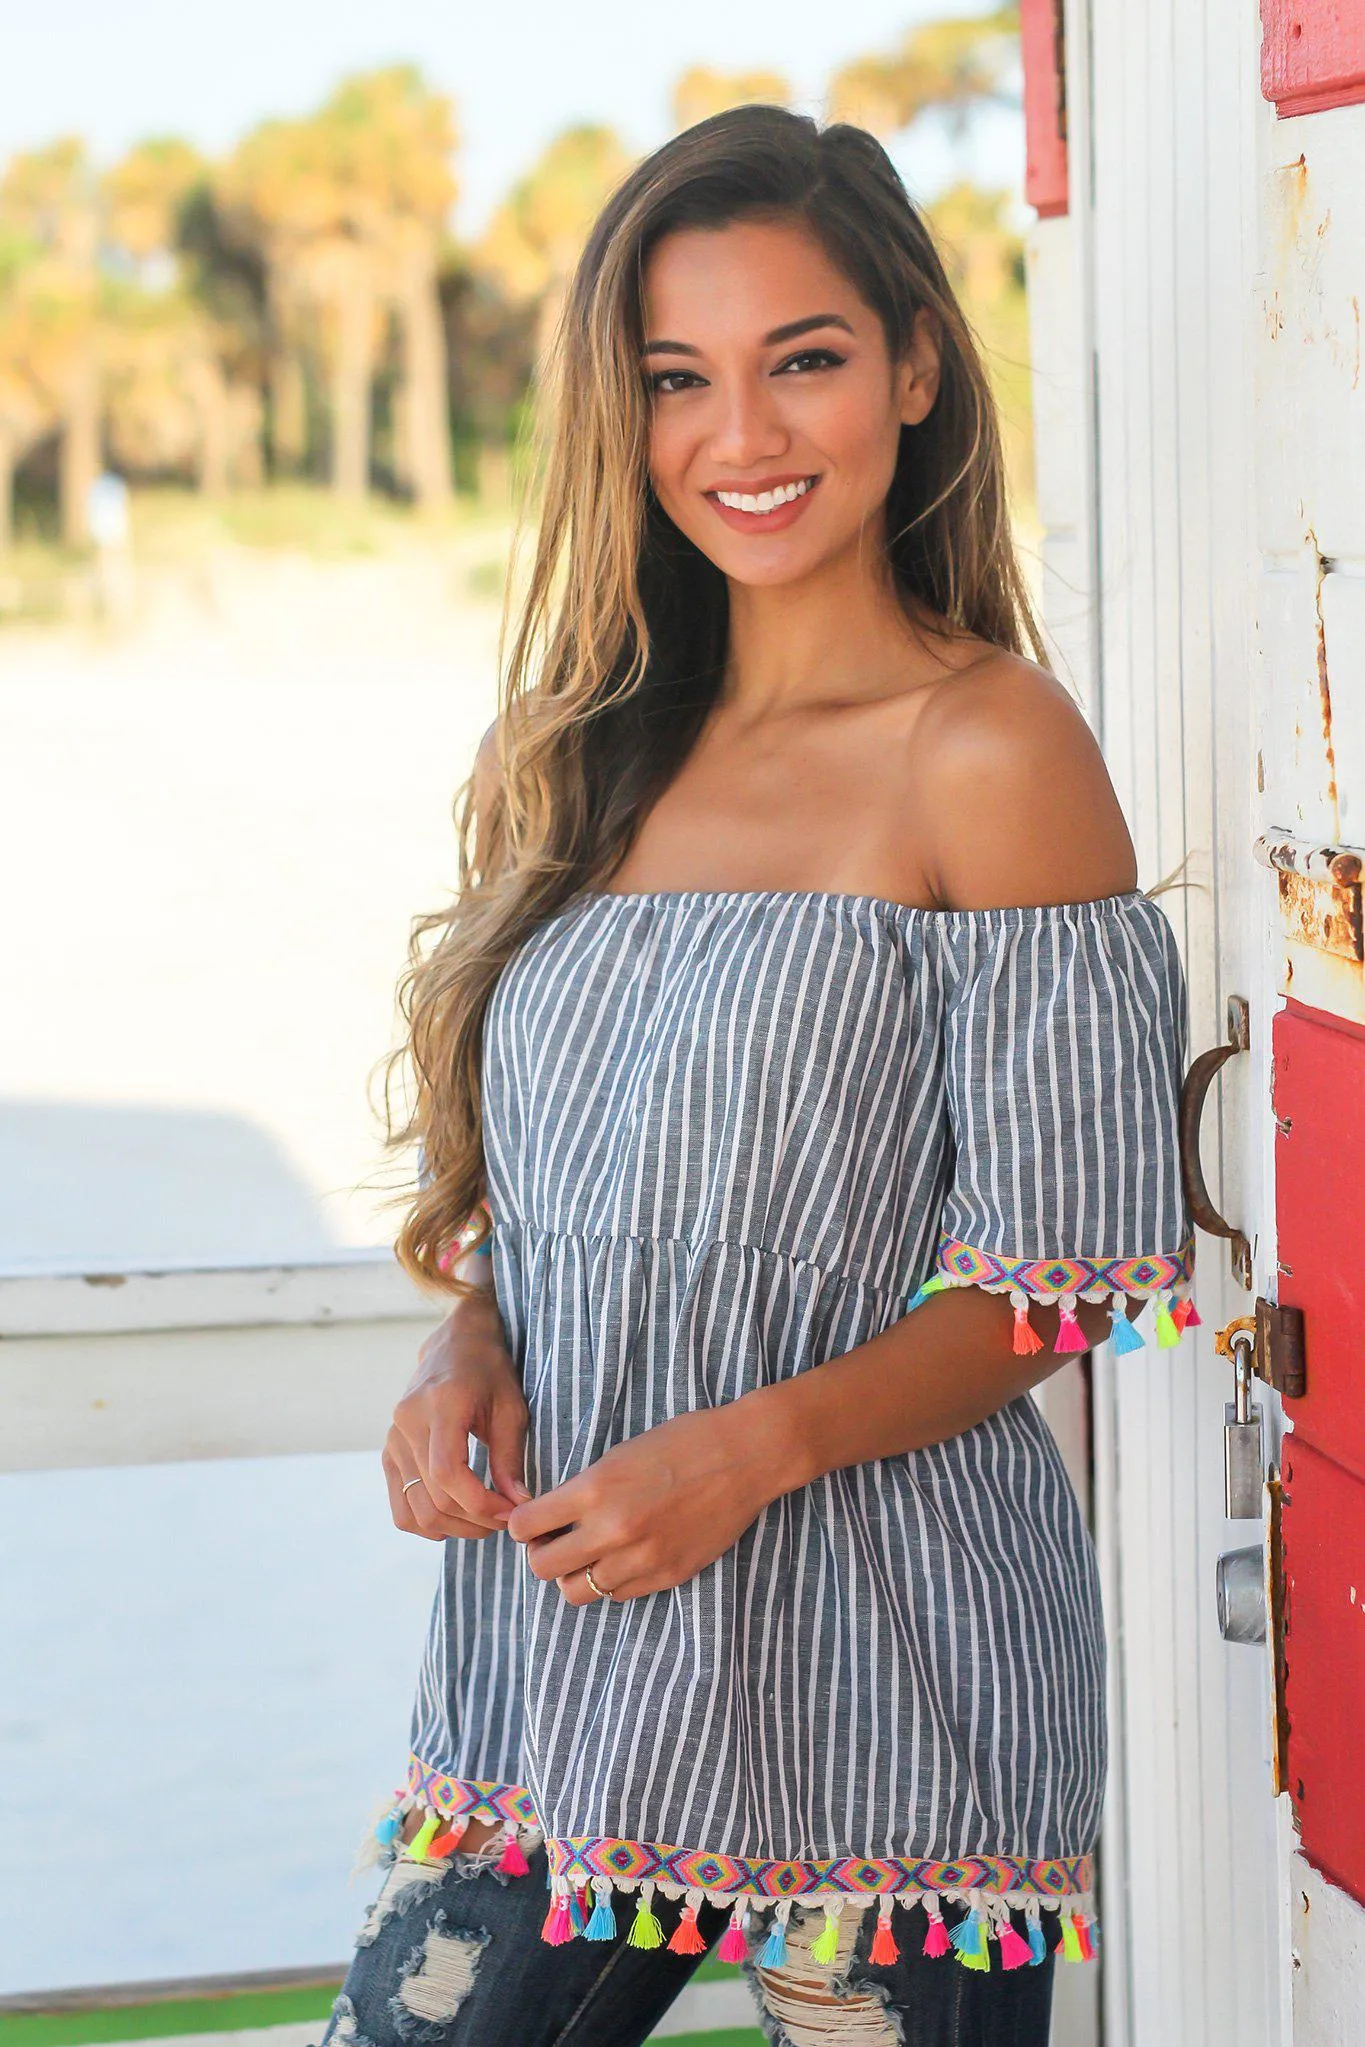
(770, 340)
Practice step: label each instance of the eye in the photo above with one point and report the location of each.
(820, 358)
(662, 380)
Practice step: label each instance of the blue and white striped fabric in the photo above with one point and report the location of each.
(728, 1135)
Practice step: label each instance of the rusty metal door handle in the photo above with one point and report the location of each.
(1193, 1095)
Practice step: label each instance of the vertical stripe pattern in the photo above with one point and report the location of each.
(724, 1134)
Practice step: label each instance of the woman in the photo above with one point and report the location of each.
(801, 1029)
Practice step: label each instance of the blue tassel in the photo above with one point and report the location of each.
(602, 1925)
(1123, 1335)
(390, 1827)
(1037, 1945)
(774, 1955)
(576, 1919)
(969, 1935)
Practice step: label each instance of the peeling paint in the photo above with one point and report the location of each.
(1324, 568)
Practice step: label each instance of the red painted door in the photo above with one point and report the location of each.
(1320, 1214)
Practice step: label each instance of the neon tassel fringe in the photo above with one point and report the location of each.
(733, 1945)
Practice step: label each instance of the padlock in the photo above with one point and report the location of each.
(1243, 1478)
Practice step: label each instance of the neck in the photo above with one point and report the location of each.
(837, 634)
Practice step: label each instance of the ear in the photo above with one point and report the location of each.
(918, 372)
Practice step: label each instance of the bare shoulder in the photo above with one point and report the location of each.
(1016, 801)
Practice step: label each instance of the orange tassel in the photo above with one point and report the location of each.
(448, 1842)
(1026, 1338)
(687, 1939)
(883, 1950)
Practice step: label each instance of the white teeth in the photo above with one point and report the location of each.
(767, 500)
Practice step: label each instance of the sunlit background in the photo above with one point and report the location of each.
(272, 287)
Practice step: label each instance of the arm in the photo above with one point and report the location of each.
(465, 1383)
(1016, 808)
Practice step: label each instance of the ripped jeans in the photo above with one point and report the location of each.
(450, 1955)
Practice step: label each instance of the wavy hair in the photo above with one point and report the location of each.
(619, 643)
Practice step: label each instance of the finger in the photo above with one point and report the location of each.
(451, 1483)
(622, 1574)
(559, 1555)
(553, 1510)
(506, 1442)
(413, 1509)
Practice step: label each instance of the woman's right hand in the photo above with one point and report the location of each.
(465, 1384)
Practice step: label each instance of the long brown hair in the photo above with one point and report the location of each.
(619, 645)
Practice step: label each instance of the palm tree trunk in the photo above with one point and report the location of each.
(8, 463)
(211, 400)
(284, 373)
(79, 463)
(425, 394)
(351, 371)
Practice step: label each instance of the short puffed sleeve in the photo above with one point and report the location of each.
(1064, 1047)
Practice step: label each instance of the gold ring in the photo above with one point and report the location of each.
(595, 1586)
(412, 1482)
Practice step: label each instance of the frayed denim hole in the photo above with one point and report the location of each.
(443, 1950)
(342, 2028)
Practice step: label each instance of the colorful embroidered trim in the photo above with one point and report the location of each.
(632, 1862)
(583, 1873)
(1047, 1279)
(1065, 1281)
(456, 1797)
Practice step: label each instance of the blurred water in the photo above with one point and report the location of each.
(204, 1691)
(215, 829)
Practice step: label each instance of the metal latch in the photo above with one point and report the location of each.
(1275, 1335)
(1193, 1094)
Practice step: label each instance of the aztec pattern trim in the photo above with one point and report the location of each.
(583, 1874)
(627, 1863)
(1047, 1279)
(464, 1798)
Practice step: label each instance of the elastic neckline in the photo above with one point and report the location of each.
(820, 895)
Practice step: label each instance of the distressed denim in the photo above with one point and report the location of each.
(451, 1953)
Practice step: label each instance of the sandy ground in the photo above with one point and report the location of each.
(215, 827)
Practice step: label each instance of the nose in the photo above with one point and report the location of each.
(749, 427)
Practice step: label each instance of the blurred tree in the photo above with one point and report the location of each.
(347, 210)
(701, 92)
(948, 67)
(534, 239)
(48, 202)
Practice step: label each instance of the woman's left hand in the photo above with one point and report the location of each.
(654, 1510)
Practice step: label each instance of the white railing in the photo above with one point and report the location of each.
(158, 1367)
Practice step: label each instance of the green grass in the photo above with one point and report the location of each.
(241, 2010)
(229, 2014)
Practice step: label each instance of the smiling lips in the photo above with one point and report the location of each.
(766, 510)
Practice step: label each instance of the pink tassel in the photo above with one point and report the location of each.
(1015, 1952)
(884, 1950)
(936, 1941)
(1184, 1314)
(557, 1928)
(1026, 1338)
(1193, 1318)
(448, 1842)
(733, 1946)
(1070, 1335)
(686, 1938)
(512, 1862)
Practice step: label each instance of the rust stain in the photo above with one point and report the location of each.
(1323, 915)
(1324, 568)
(105, 1278)
(1260, 772)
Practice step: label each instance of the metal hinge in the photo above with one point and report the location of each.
(1277, 1349)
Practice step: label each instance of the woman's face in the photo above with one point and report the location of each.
(769, 374)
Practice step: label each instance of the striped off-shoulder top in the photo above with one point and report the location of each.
(730, 1135)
